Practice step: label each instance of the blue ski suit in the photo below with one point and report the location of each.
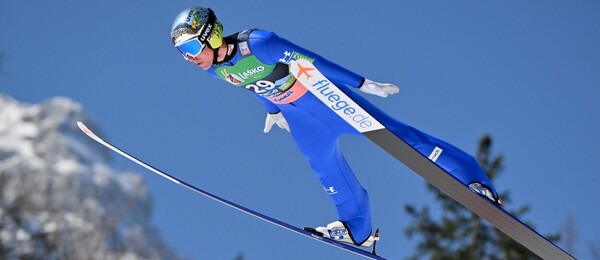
(258, 61)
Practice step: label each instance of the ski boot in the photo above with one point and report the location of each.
(339, 232)
(485, 191)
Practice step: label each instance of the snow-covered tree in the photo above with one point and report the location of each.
(60, 198)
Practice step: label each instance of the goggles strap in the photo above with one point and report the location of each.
(209, 28)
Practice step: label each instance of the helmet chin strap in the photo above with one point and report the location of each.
(216, 55)
(230, 50)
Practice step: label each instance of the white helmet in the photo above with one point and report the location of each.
(197, 22)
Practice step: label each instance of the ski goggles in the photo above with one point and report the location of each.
(192, 47)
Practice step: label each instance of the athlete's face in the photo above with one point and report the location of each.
(204, 59)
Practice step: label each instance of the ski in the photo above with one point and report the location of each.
(231, 204)
(317, 84)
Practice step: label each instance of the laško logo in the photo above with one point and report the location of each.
(249, 72)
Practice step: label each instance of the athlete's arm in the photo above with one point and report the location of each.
(269, 106)
(271, 49)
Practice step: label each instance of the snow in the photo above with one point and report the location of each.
(59, 195)
(16, 133)
(67, 166)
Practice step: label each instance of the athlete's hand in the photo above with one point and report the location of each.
(275, 119)
(378, 89)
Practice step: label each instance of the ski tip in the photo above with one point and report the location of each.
(86, 130)
(82, 126)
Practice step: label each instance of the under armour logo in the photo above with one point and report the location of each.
(287, 57)
(330, 190)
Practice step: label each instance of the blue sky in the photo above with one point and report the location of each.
(525, 72)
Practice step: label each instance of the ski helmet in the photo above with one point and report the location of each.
(197, 22)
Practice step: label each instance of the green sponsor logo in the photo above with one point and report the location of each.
(299, 56)
(245, 71)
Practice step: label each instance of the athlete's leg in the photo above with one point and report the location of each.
(319, 142)
(450, 158)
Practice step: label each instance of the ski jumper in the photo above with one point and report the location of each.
(258, 61)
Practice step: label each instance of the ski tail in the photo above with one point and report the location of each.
(377, 132)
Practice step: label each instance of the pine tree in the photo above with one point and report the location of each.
(460, 234)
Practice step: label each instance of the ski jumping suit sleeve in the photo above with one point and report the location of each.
(260, 65)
